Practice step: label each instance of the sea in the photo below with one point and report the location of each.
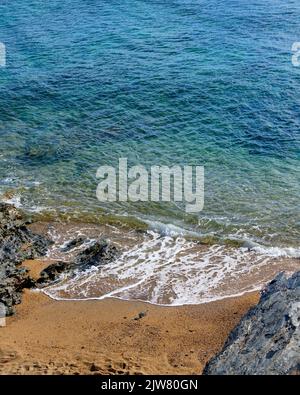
(160, 82)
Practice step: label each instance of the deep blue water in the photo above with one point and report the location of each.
(160, 82)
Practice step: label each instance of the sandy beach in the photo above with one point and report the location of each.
(149, 188)
(115, 337)
(73, 336)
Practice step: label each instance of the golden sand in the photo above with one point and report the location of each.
(109, 337)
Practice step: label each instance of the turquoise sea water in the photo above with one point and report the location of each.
(159, 82)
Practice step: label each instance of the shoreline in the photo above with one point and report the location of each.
(108, 336)
(226, 264)
(220, 299)
(115, 337)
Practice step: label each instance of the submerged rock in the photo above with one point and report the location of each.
(17, 243)
(267, 340)
(74, 244)
(99, 253)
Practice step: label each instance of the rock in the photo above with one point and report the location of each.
(141, 315)
(53, 272)
(94, 368)
(99, 253)
(73, 244)
(267, 340)
(17, 243)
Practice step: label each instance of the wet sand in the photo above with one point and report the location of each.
(109, 337)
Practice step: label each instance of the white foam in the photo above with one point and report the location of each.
(288, 252)
(7, 180)
(56, 251)
(170, 229)
(15, 201)
(169, 270)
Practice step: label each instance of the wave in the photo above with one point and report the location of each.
(173, 270)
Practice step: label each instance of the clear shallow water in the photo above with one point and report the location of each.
(160, 82)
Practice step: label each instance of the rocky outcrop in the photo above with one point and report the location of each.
(17, 243)
(267, 340)
(53, 272)
(98, 254)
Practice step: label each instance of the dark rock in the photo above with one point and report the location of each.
(94, 368)
(267, 340)
(11, 289)
(99, 253)
(73, 244)
(17, 243)
(141, 315)
(53, 272)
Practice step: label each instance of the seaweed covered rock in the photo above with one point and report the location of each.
(267, 340)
